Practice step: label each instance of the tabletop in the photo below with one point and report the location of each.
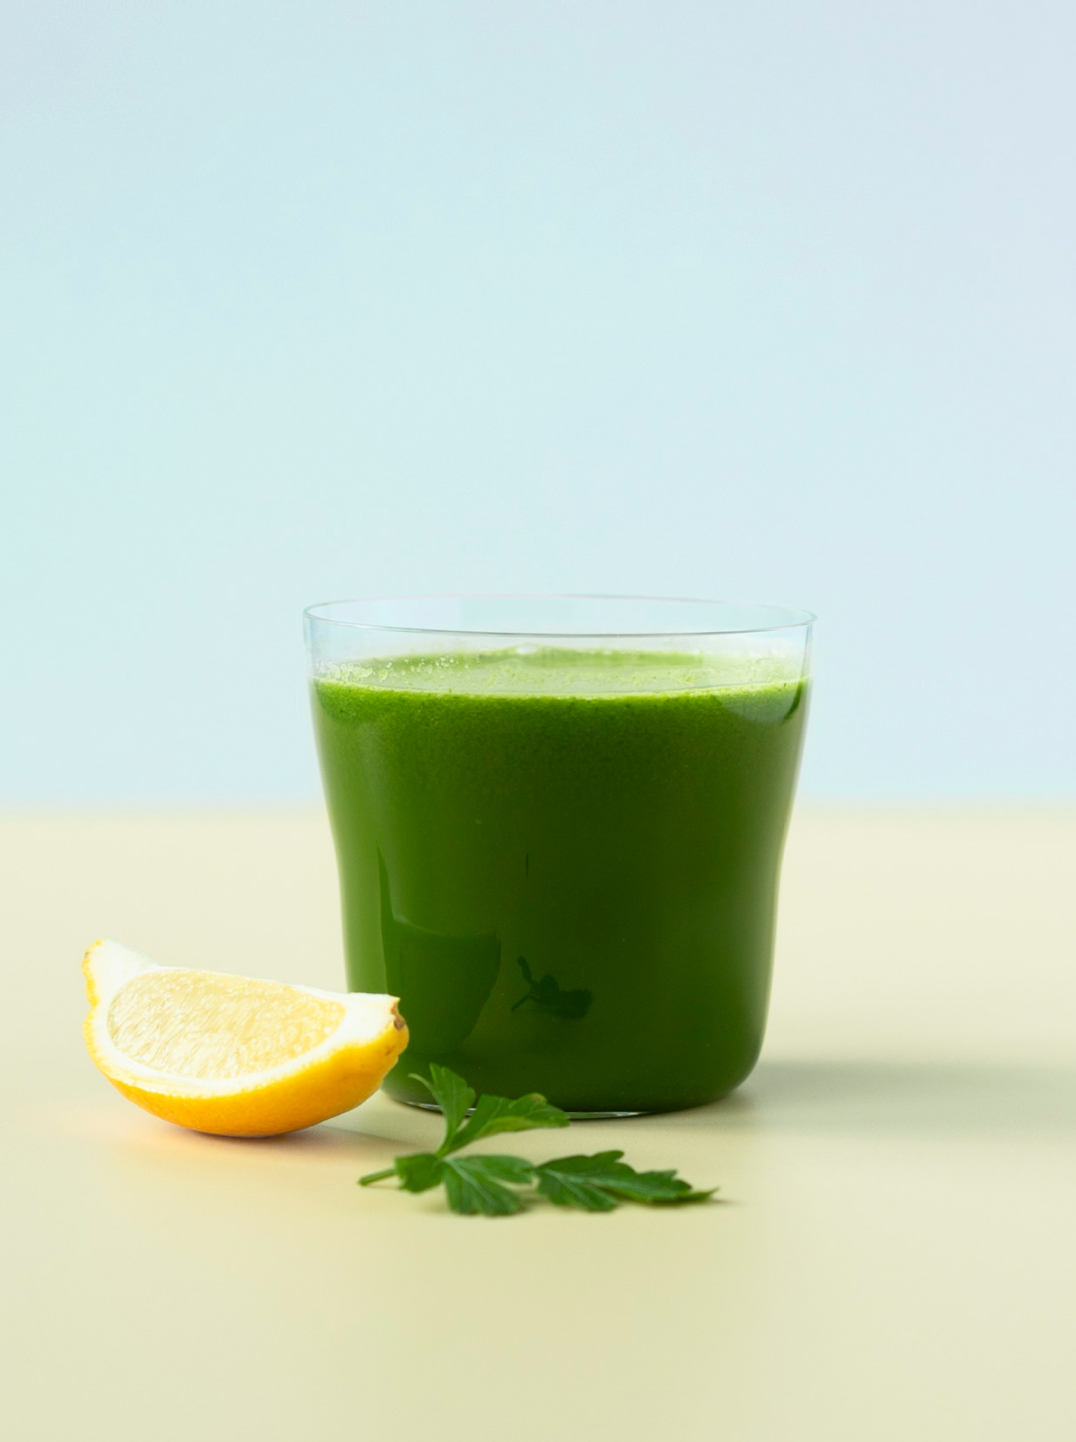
(891, 1257)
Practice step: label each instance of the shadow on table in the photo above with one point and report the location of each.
(803, 1097)
(850, 1096)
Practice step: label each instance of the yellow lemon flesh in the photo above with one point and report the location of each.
(229, 1054)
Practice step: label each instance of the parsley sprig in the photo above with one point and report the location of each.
(497, 1186)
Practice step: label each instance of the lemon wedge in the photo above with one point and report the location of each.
(229, 1054)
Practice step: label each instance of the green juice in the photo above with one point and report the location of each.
(564, 863)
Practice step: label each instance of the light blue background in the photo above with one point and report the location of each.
(308, 300)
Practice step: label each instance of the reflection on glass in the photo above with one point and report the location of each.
(443, 982)
(548, 996)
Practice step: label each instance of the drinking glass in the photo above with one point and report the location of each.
(559, 824)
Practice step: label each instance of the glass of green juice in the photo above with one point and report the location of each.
(559, 824)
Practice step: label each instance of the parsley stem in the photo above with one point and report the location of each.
(377, 1176)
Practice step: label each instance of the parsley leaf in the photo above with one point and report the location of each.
(418, 1173)
(490, 1116)
(484, 1184)
(452, 1095)
(472, 1184)
(475, 1184)
(598, 1183)
(497, 1114)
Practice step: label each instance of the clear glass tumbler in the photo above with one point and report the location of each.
(559, 824)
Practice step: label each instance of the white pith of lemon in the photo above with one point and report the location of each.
(234, 1055)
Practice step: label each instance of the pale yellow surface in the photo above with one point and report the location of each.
(895, 1258)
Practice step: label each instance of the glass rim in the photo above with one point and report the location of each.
(792, 617)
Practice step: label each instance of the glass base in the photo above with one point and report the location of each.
(572, 1116)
